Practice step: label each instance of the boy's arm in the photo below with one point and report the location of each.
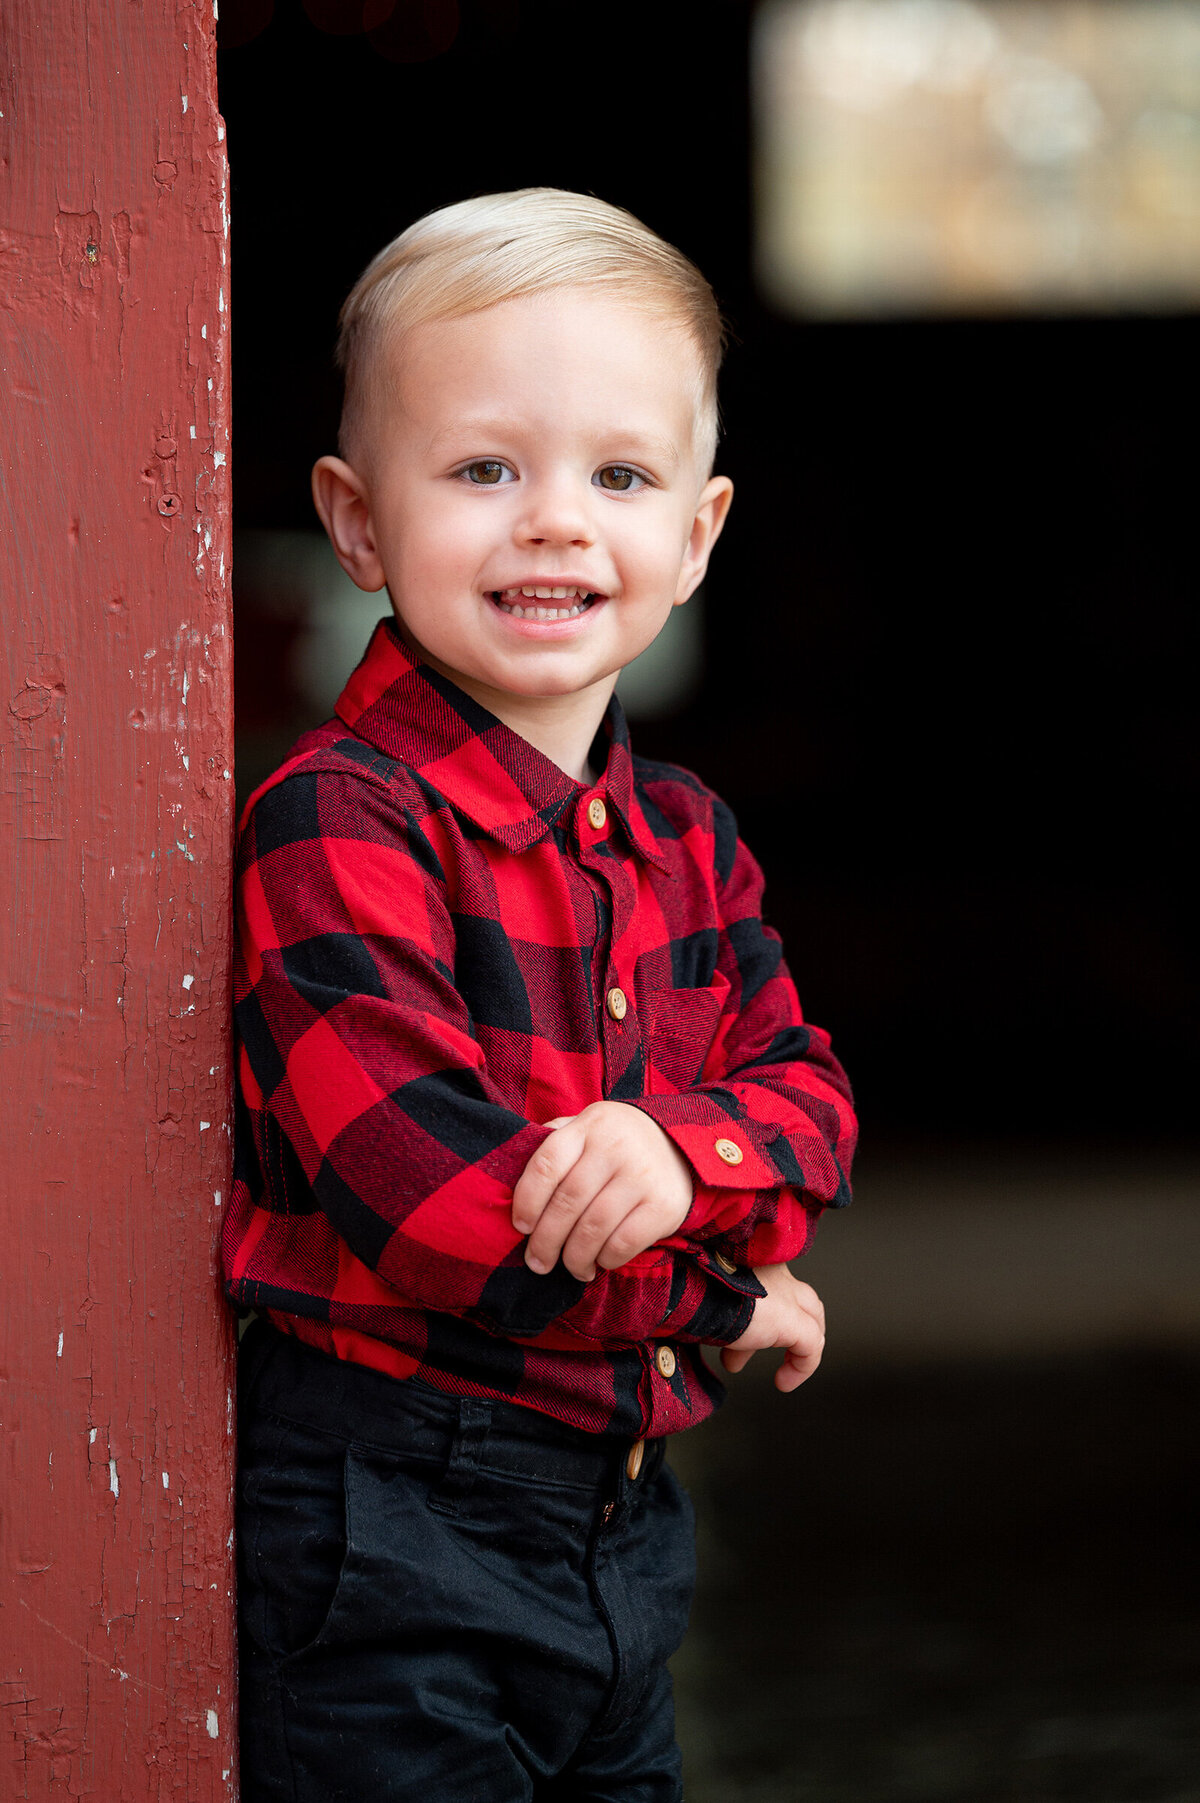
(769, 1128)
(357, 1045)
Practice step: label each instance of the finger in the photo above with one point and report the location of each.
(560, 1120)
(810, 1302)
(799, 1363)
(639, 1228)
(735, 1361)
(596, 1225)
(574, 1194)
(542, 1176)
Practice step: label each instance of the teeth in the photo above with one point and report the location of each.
(543, 592)
(539, 613)
(509, 601)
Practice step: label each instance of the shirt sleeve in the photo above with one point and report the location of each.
(358, 1051)
(769, 1128)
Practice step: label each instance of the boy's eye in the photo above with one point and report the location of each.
(487, 472)
(618, 477)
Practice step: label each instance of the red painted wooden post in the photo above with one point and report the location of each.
(116, 1654)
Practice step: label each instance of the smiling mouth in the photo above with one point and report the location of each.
(543, 602)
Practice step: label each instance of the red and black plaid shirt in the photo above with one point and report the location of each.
(433, 923)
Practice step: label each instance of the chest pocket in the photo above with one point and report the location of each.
(683, 1026)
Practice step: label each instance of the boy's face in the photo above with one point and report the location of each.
(544, 444)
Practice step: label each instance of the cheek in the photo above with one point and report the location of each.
(656, 546)
(437, 539)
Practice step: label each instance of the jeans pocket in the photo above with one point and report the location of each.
(292, 1532)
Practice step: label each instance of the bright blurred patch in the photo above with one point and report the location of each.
(978, 155)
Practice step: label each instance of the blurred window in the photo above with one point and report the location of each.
(978, 155)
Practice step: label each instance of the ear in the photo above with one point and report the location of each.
(711, 510)
(341, 498)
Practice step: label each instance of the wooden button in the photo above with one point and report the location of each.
(664, 1358)
(616, 1004)
(633, 1463)
(597, 812)
(724, 1264)
(729, 1151)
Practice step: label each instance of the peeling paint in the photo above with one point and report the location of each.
(114, 240)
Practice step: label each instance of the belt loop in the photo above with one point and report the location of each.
(458, 1480)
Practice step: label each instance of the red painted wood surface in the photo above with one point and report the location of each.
(116, 1655)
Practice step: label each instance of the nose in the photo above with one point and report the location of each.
(557, 512)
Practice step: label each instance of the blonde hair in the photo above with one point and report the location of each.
(500, 247)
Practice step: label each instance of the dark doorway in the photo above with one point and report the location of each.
(945, 685)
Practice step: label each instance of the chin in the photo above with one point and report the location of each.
(547, 687)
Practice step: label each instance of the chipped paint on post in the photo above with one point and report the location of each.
(116, 1641)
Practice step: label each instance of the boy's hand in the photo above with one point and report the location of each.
(605, 1185)
(791, 1315)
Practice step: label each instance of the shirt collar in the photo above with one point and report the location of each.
(510, 790)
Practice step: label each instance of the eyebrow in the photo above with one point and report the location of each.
(633, 443)
(664, 449)
(473, 427)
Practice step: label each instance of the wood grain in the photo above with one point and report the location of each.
(116, 1643)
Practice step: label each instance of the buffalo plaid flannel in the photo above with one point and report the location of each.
(443, 940)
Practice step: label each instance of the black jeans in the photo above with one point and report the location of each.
(445, 1599)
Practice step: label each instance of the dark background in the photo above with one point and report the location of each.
(951, 628)
(951, 623)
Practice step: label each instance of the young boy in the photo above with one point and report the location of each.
(529, 1112)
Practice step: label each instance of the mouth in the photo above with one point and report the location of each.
(544, 601)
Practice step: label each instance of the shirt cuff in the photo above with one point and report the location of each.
(728, 1305)
(723, 1153)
